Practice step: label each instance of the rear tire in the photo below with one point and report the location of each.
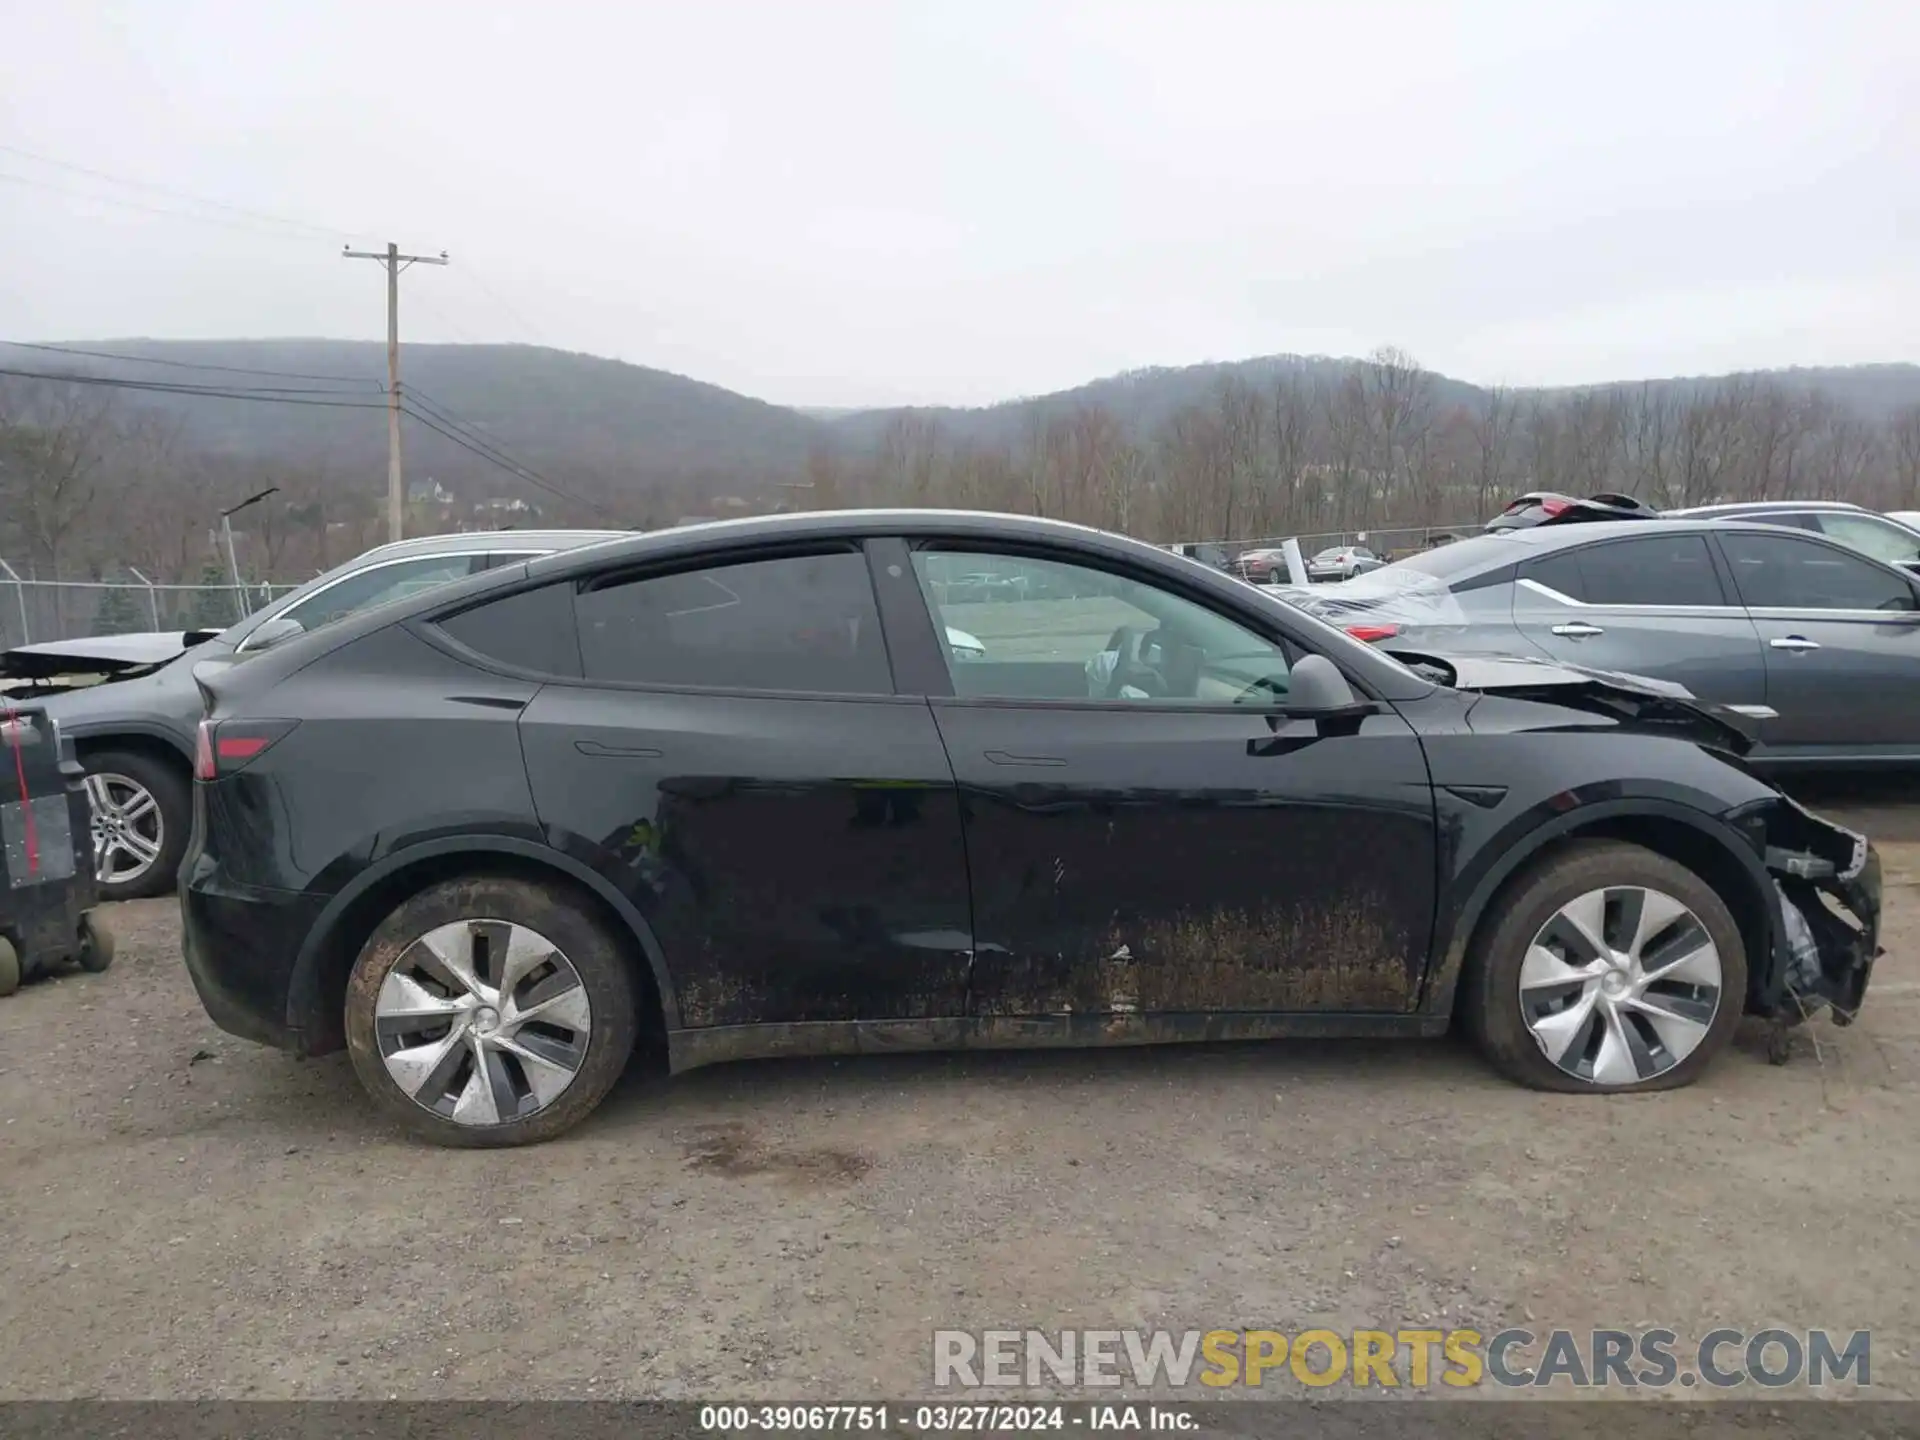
(441, 1019)
(172, 794)
(9, 967)
(1525, 985)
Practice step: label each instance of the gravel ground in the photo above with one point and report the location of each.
(187, 1215)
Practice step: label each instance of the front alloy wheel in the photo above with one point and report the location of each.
(129, 829)
(1604, 966)
(1620, 985)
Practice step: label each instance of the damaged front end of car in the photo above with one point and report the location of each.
(1827, 881)
(1824, 880)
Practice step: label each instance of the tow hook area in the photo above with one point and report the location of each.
(1828, 880)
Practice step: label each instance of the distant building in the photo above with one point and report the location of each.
(504, 508)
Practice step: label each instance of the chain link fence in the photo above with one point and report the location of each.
(37, 611)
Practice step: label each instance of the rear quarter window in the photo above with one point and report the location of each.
(529, 630)
(1559, 573)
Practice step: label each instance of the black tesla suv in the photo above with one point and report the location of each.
(737, 789)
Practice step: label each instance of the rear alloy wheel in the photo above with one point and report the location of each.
(1607, 968)
(141, 813)
(489, 1012)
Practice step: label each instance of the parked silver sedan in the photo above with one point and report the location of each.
(1817, 642)
(1343, 562)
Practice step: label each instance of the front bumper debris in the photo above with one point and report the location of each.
(1828, 880)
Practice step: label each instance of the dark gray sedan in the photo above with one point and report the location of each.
(1819, 643)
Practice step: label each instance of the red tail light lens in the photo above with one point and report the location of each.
(1553, 507)
(1371, 633)
(225, 746)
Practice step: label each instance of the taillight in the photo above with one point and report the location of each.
(225, 746)
(203, 752)
(1370, 633)
(1553, 507)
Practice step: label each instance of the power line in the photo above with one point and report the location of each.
(243, 227)
(441, 411)
(512, 469)
(512, 314)
(191, 199)
(278, 395)
(189, 365)
(500, 452)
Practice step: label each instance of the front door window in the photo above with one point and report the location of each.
(1049, 630)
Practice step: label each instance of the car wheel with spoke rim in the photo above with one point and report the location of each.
(1607, 967)
(489, 1011)
(141, 811)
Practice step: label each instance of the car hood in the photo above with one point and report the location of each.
(1639, 699)
(98, 654)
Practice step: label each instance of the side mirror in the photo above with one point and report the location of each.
(1316, 687)
(276, 631)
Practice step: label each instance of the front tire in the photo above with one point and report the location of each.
(1606, 968)
(488, 1012)
(142, 811)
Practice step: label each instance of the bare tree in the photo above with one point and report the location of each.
(1493, 428)
(1646, 443)
(54, 437)
(1399, 417)
(1903, 448)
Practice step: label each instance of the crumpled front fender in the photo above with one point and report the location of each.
(1827, 935)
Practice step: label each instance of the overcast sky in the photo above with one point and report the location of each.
(833, 203)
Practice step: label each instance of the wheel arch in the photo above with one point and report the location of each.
(319, 980)
(149, 740)
(1682, 834)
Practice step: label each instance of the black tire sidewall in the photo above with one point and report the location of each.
(172, 791)
(1493, 991)
(96, 945)
(554, 912)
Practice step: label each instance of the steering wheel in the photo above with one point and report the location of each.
(1132, 667)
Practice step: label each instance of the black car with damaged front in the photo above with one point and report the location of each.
(733, 791)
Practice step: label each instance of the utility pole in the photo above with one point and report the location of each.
(395, 263)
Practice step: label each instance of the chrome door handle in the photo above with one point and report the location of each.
(1577, 630)
(1794, 642)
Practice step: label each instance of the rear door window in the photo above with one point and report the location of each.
(1785, 572)
(805, 623)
